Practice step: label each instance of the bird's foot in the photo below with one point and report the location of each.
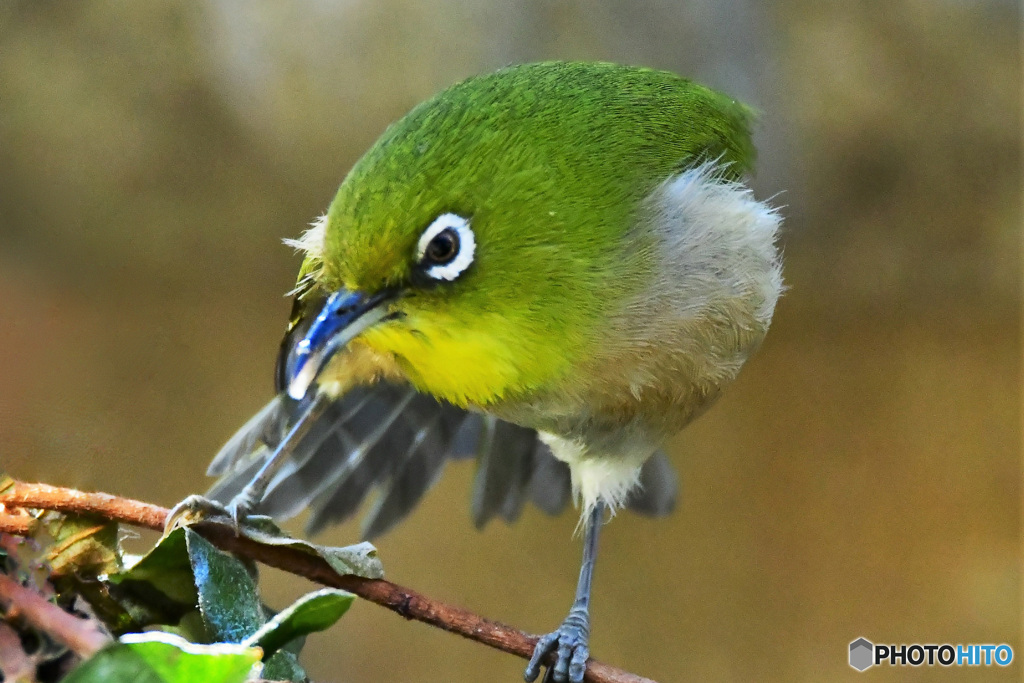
(570, 644)
(196, 508)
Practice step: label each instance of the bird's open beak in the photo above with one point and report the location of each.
(344, 316)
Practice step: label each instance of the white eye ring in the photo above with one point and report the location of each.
(467, 246)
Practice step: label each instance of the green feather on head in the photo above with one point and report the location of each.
(551, 162)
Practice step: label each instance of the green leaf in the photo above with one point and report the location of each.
(166, 567)
(228, 598)
(312, 612)
(284, 666)
(158, 657)
(358, 560)
(157, 589)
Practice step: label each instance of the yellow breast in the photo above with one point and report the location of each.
(465, 364)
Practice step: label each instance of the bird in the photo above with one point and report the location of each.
(552, 268)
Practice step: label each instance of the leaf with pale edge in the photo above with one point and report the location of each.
(158, 657)
(312, 612)
(358, 560)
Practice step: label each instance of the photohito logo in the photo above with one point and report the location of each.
(865, 654)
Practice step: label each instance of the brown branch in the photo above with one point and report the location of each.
(403, 601)
(46, 497)
(79, 635)
(16, 525)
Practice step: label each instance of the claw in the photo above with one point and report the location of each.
(578, 663)
(570, 642)
(196, 508)
(545, 645)
(240, 507)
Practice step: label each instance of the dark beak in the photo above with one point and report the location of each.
(344, 316)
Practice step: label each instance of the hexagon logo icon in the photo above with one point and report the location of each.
(862, 653)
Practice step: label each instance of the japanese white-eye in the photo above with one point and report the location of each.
(552, 268)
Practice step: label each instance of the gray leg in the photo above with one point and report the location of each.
(570, 642)
(197, 507)
(248, 498)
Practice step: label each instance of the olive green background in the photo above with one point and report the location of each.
(861, 478)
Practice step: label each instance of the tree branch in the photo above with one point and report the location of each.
(16, 525)
(403, 601)
(19, 602)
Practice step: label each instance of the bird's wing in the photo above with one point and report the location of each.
(390, 439)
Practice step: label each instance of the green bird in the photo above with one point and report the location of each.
(552, 268)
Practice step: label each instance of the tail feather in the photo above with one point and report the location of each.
(658, 490)
(550, 484)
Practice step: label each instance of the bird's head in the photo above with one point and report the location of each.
(479, 246)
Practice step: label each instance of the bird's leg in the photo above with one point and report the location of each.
(570, 642)
(248, 498)
(241, 506)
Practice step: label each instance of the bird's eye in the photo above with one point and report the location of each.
(446, 247)
(443, 248)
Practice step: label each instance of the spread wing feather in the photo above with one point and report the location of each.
(390, 440)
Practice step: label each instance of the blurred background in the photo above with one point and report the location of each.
(861, 478)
